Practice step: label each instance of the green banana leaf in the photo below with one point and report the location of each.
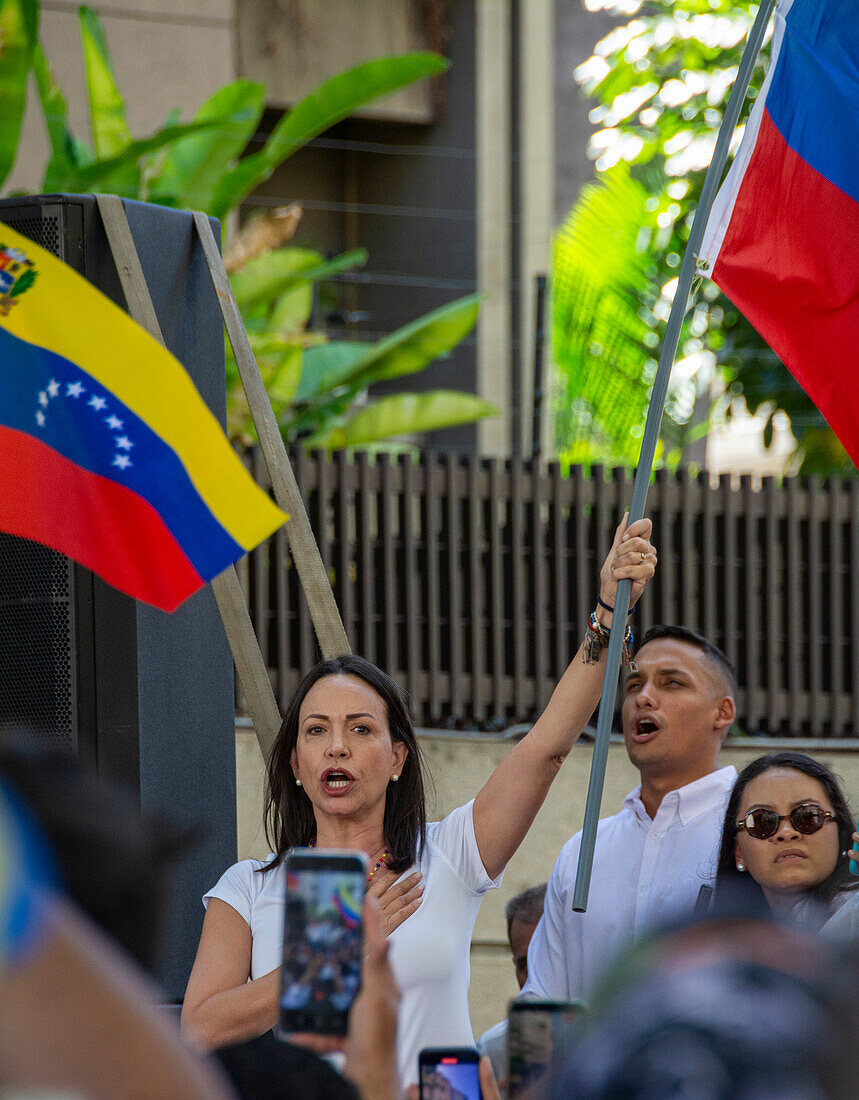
(333, 100)
(94, 175)
(66, 155)
(264, 277)
(331, 365)
(405, 414)
(284, 378)
(192, 168)
(406, 351)
(151, 163)
(292, 310)
(19, 28)
(110, 132)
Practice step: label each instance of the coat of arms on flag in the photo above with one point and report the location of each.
(17, 274)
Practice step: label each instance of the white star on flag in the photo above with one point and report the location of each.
(53, 387)
(43, 399)
(124, 442)
(122, 461)
(74, 389)
(97, 403)
(114, 422)
(40, 418)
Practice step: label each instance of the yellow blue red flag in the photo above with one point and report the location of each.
(107, 451)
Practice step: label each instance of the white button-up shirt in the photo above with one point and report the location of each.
(645, 871)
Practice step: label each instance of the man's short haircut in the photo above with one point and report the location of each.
(720, 663)
(526, 907)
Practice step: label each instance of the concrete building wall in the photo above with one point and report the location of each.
(458, 768)
(293, 46)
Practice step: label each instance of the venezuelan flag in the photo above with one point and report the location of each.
(347, 906)
(107, 451)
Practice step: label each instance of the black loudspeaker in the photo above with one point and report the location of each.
(144, 697)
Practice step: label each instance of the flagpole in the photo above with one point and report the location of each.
(648, 446)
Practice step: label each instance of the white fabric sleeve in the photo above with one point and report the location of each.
(552, 959)
(238, 888)
(455, 840)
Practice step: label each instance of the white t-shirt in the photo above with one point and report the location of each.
(645, 871)
(429, 951)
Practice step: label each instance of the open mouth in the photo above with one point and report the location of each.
(336, 781)
(645, 728)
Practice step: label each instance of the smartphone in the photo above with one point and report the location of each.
(322, 939)
(537, 1033)
(449, 1073)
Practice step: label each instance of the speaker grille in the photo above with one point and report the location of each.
(36, 686)
(37, 659)
(44, 231)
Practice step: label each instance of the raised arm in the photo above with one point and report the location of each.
(508, 803)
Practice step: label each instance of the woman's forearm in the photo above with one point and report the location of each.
(233, 1015)
(570, 707)
(506, 807)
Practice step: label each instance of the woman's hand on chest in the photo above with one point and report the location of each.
(397, 899)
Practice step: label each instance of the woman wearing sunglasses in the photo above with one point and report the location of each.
(788, 832)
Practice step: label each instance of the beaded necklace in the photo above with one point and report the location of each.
(379, 861)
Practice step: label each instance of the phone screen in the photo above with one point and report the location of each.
(322, 942)
(537, 1033)
(449, 1074)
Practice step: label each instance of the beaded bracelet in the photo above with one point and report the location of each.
(597, 638)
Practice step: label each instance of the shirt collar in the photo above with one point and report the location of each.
(689, 801)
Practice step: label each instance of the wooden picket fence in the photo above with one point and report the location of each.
(470, 581)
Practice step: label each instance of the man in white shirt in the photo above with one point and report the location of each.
(652, 858)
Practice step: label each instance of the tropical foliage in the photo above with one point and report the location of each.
(319, 390)
(660, 82)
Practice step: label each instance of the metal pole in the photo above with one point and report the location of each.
(539, 342)
(648, 446)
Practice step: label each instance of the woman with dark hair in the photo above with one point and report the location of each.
(345, 772)
(786, 839)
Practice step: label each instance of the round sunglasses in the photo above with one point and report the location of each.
(806, 819)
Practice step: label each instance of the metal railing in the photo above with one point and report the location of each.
(470, 581)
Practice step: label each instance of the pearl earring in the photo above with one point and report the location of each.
(395, 778)
(298, 782)
(741, 866)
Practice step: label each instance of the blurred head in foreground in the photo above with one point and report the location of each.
(113, 860)
(734, 1008)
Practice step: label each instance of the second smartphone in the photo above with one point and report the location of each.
(446, 1072)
